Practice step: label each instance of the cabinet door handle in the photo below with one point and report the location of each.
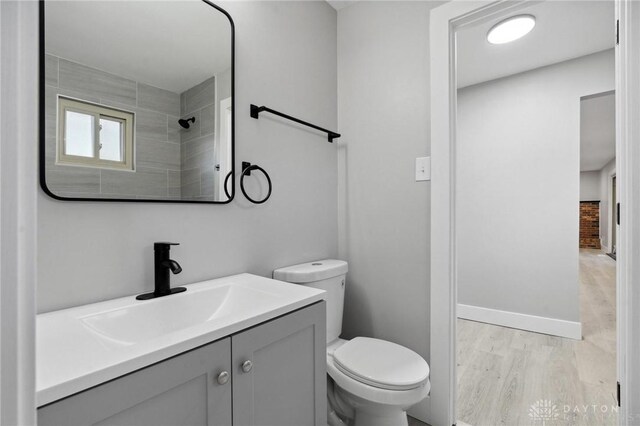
(247, 366)
(223, 378)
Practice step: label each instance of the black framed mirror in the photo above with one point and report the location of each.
(137, 101)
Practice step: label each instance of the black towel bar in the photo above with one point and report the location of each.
(256, 110)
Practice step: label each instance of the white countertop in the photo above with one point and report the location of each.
(81, 347)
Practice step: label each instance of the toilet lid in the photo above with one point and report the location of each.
(381, 364)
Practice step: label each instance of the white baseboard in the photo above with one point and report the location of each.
(552, 326)
(605, 248)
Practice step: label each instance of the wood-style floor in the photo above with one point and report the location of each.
(502, 372)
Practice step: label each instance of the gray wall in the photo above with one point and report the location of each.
(590, 186)
(384, 213)
(197, 145)
(517, 189)
(286, 59)
(157, 142)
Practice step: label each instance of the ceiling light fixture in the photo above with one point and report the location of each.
(511, 29)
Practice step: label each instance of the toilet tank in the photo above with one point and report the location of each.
(328, 275)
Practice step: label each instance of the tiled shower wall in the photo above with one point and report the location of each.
(157, 144)
(198, 142)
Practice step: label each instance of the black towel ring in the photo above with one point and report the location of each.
(226, 180)
(246, 171)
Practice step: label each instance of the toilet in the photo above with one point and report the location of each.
(370, 382)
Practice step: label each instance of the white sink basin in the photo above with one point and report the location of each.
(82, 347)
(142, 321)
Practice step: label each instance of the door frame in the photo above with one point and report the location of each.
(613, 226)
(627, 186)
(445, 21)
(18, 209)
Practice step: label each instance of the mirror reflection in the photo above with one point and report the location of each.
(138, 101)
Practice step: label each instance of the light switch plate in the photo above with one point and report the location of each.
(423, 168)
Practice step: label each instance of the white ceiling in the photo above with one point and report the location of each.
(564, 30)
(173, 45)
(597, 131)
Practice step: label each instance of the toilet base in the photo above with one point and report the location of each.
(390, 417)
(367, 413)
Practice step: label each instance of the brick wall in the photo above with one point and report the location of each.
(590, 224)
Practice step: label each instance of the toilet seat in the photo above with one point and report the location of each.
(381, 364)
(372, 393)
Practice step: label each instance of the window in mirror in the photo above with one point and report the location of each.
(94, 135)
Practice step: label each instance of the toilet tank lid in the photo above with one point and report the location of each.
(311, 271)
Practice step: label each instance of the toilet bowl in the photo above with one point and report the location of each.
(371, 382)
(384, 385)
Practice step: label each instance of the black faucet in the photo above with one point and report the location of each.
(162, 266)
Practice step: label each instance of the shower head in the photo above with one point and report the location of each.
(184, 123)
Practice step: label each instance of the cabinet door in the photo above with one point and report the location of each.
(183, 390)
(279, 371)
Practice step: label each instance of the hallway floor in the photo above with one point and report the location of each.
(506, 376)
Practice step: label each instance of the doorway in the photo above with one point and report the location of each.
(529, 328)
(446, 23)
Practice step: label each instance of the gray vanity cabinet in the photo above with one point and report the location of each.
(279, 376)
(275, 377)
(182, 390)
